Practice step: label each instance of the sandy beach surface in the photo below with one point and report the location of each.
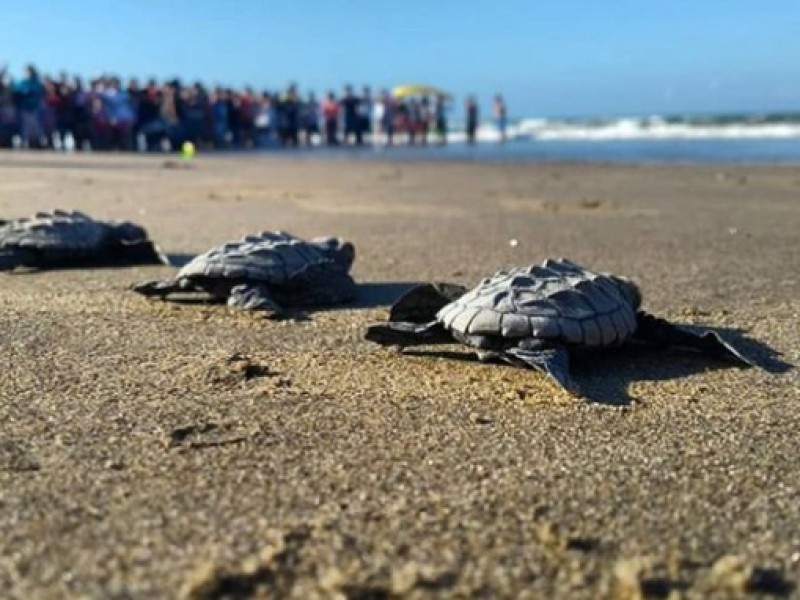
(162, 450)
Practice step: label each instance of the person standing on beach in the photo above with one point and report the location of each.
(440, 119)
(48, 113)
(401, 117)
(64, 115)
(388, 116)
(378, 109)
(472, 119)
(219, 117)
(195, 109)
(169, 113)
(30, 94)
(148, 117)
(289, 121)
(81, 106)
(330, 113)
(120, 114)
(424, 119)
(310, 119)
(135, 94)
(365, 113)
(500, 116)
(352, 125)
(8, 112)
(101, 128)
(414, 121)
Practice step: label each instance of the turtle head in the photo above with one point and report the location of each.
(125, 231)
(341, 252)
(630, 291)
(133, 246)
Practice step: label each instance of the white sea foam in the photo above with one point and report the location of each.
(652, 128)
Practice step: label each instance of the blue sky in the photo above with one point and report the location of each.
(554, 58)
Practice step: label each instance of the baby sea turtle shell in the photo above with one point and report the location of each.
(535, 316)
(269, 271)
(71, 238)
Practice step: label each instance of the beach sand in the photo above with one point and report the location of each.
(152, 449)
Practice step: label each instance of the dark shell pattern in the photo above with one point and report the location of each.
(269, 257)
(56, 230)
(557, 301)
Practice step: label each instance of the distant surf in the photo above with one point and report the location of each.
(674, 127)
(767, 138)
(763, 138)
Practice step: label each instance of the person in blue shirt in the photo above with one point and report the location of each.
(119, 110)
(220, 118)
(29, 93)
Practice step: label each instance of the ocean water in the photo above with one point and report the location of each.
(778, 152)
(705, 139)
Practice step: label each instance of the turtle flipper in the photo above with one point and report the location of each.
(253, 297)
(658, 331)
(553, 361)
(10, 260)
(408, 334)
(138, 252)
(421, 303)
(318, 285)
(162, 289)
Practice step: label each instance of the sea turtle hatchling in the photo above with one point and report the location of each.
(62, 238)
(534, 316)
(270, 271)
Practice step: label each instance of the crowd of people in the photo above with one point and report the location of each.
(105, 114)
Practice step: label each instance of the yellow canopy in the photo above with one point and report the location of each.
(406, 91)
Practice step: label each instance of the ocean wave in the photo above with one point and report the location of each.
(649, 128)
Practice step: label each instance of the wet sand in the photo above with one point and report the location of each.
(151, 449)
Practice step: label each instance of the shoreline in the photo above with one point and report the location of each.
(25, 159)
(713, 152)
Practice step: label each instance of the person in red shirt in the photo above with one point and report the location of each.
(330, 113)
(52, 104)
